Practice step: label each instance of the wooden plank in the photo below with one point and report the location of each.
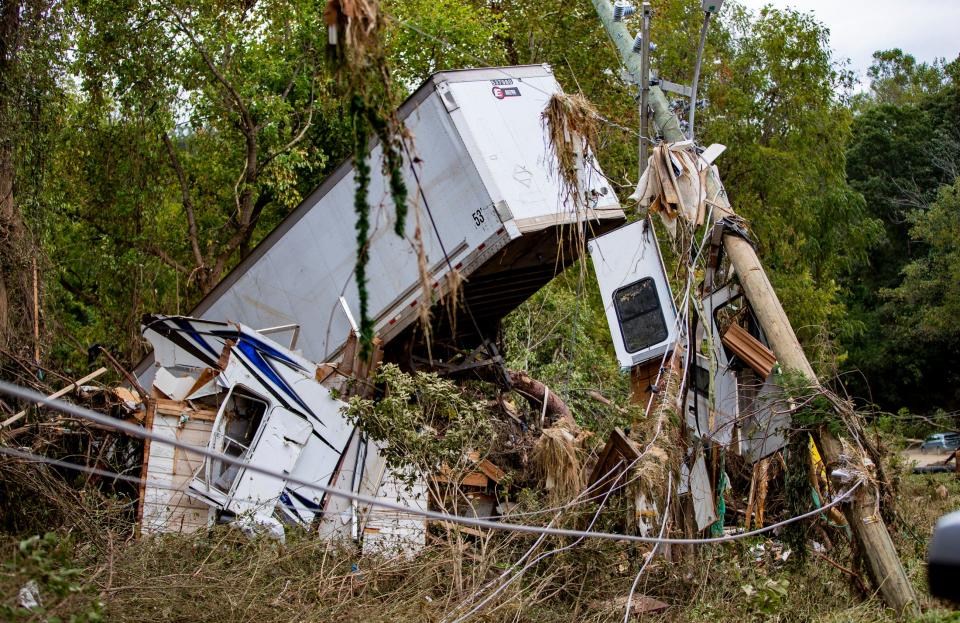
(453, 527)
(642, 378)
(148, 426)
(618, 448)
(205, 377)
(472, 479)
(492, 472)
(57, 394)
(168, 407)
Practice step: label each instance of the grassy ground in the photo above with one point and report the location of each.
(106, 575)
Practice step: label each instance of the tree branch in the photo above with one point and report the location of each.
(249, 126)
(187, 201)
(166, 258)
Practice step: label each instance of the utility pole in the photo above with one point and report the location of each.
(867, 526)
(646, 14)
(709, 7)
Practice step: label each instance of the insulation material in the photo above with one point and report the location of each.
(674, 185)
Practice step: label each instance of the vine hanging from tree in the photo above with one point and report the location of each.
(355, 30)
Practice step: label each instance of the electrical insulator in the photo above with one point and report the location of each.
(622, 9)
(638, 45)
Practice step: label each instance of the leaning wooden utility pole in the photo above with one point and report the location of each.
(866, 524)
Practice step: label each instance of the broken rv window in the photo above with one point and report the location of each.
(240, 419)
(640, 316)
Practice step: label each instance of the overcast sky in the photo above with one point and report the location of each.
(928, 29)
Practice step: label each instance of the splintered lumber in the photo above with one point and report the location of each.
(642, 379)
(471, 479)
(492, 472)
(148, 425)
(455, 528)
(176, 408)
(57, 394)
(619, 450)
(750, 350)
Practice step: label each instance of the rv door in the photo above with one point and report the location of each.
(277, 448)
(635, 293)
(247, 428)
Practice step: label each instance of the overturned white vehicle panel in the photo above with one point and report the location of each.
(229, 389)
(492, 209)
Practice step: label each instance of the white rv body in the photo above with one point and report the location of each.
(271, 412)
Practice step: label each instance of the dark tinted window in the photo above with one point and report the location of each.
(640, 316)
(701, 381)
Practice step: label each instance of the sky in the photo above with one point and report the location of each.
(927, 29)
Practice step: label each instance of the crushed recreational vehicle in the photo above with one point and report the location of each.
(234, 391)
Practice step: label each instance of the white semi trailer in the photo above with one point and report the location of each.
(491, 207)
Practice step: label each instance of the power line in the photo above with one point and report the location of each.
(136, 431)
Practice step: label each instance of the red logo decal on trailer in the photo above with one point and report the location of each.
(502, 92)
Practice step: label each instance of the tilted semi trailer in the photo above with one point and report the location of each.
(492, 207)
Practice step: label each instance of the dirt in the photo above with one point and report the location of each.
(921, 458)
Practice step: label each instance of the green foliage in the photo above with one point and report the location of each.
(897, 78)
(928, 298)
(255, 117)
(902, 150)
(560, 336)
(768, 597)
(810, 407)
(47, 561)
(185, 128)
(774, 99)
(464, 31)
(424, 421)
(797, 491)
(925, 306)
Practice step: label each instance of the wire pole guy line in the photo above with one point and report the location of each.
(137, 431)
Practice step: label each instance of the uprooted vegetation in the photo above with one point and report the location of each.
(89, 567)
